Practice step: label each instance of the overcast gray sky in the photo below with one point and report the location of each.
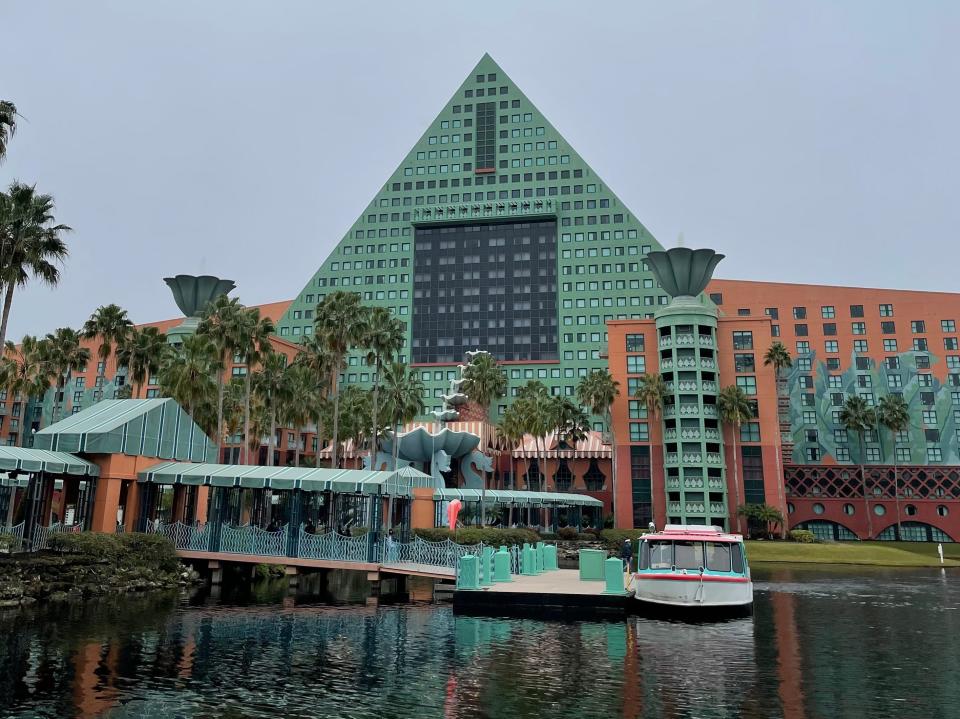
(810, 142)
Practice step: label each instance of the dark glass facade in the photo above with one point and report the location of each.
(485, 286)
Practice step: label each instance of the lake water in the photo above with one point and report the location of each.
(822, 643)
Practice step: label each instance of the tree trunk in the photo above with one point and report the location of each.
(296, 446)
(220, 413)
(396, 446)
(613, 465)
(334, 454)
(896, 490)
(736, 476)
(272, 444)
(374, 439)
(246, 415)
(863, 483)
(781, 477)
(7, 301)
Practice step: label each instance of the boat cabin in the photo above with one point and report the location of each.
(687, 549)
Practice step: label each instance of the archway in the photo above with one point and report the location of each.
(914, 532)
(827, 531)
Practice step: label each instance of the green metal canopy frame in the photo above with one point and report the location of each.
(23, 459)
(516, 498)
(345, 481)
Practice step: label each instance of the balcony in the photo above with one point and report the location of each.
(707, 363)
(666, 342)
(674, 508)
(670, 410)
(705, 341)
(709, 386)
(716, 508)
(713, 434)
(709, 410)
(670, 434)
(686, 362)
(470, 212)
(692, 458)
(714, 458)
(673, 483)
(666, 365)
(715, 483)
(689, 410)
(693, 508)
(687, 385)
(685, 341)
(689, 434)
(668, 387)
(693, 483)
(670, 458)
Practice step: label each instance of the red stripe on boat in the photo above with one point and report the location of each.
(693, 578)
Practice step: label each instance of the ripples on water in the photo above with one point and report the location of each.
(820, 644)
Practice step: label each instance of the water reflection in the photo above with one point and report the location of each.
(820, 644)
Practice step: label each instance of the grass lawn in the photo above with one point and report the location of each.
(886, 554)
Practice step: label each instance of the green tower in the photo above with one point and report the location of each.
(491, 234)
(696, 487)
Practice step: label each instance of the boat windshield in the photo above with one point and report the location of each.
(661, 555)
(718, 556)
(688, 555)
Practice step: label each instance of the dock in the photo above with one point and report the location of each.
(559, 593)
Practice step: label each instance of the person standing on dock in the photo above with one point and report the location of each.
(626, 554)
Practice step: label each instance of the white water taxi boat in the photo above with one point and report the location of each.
(693, 566)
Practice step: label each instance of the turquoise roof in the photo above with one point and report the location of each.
(507, 497)
(139, 427)
(40, 460)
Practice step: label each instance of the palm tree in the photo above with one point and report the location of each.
(272, 383)
(64, 354)
(894, 414)
(301, 404)
(220, 322)
(233, 405)
(187, 376)
(339, 323)
(111, 325)
(858, 416)
(384, 337)
(484, 381)
(735, 409)
(511, 431)
(23, 370)
(316, 359)
(143, 354)
(534, 405)
(403, 392)
(8, 125)
(598, 391)
(253, 342)
(30, 241)
(778, 356)
(651, 391)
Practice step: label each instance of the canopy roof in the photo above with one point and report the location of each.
(309, 479)
(40, 460)
(145, 427)
(518, 498)
(591, 446)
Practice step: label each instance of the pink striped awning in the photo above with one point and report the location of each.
(347, 451)
(484, 430)
(592, 446)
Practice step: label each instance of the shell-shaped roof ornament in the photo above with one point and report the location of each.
(684, 272)
(192, 293)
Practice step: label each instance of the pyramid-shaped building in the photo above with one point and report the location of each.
(493, 233)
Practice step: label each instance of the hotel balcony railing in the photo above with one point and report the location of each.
(689, 434)
(694, 508)
(670, 458)
(670, 410)
(674, 508)
(686, 362)
(709, 410)
(692, 458)
(713, 458)
(711, 434)
(687, 385)
(668, 386)
(690, 409)
(685, 340)
(705, 340)
(693, 483)
(707, 363)
(709, 386)
(717, 508)
(673, 482)
(666, 365)
(478, 210)
(669, 434)
(666, 342)
(714, 483)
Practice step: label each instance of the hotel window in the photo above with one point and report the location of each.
(637, 409)
(799, 313)
(828, 312)
(829, 329)
(892, 362)
(864, 380)
(873, 454)
(919, 344)
(775, 330)
(934, 454)
(78, 382)
(743, 340)
(831, 346)
(953, 380)
(948, 326)
(950, 343)
(923, 361)
(840, 435)
(808, 399)
(77, 397)
(833, 363)
(813, 454)
(903, 436)
(750, 432)
(889, 345)
(805, 381)
(886, 310)
(633, 384)
(860, 346)
(804, 364)
(929, 416)
(743, 363)
(856, 310)
(716, 298)
(888, 328)
(835, 416)
(894, 381)
(748, 384)
(803, 347)
(639, 432)
(800, 330)
(903, 454)
(634, 343)
(918, 327)
(842, 454)
(636, 364)
(859, 328)
(926, 399)
(743, 312)
(809, 417)
(772, 312)
(867, 397)
(836, 399)
(834, 381)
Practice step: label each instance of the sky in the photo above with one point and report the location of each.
(809, 142)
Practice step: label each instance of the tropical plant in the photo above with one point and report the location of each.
(403, 399)
(569, 420)
(253, 342)
(187, 377)
(762, 514)
(652, 392)
(143, 353)
(734, 409)
(779, 357)
(221, 322)
(109, 324)
(536, 412)
(484, 381)
(598, 391)
(64, 354)
(894, 414)
(272, 383)
(31, 243)
(511, 432)
(339, 324)
(859, 417)
(383, 336)
(8, 125)
(301, 403)
(23, 371)
(234, 398)
(314, 357)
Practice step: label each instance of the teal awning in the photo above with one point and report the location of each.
(25, 459)
(516, 498)
(308, 479)
(138, 427)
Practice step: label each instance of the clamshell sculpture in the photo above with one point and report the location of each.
(192, 293)
(684, 272)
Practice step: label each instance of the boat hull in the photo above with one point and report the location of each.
(688, 591)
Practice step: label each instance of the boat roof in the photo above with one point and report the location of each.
(693, 533)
